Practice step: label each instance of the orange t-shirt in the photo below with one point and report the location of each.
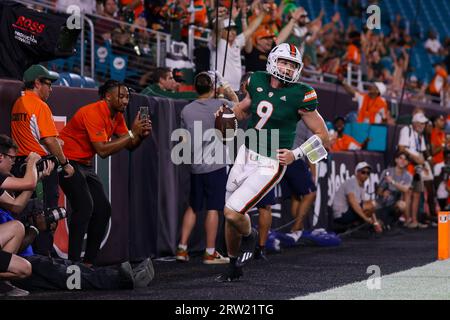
(372, 110)
(91, 123)
(438, 81)
(137, 11)
(345, 143)
(353, 54)
(438, 139)
(31, 121)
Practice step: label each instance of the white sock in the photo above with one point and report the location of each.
(296, 234)
(182, 246)
(210, 251)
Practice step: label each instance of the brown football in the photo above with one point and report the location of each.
(226, 120)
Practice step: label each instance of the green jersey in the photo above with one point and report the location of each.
(276, 109)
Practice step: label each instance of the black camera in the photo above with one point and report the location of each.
(35, 207)
(40, 164)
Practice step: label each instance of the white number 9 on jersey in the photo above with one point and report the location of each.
(264, 111)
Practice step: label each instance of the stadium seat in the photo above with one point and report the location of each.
(74, 80)
(88, 82)
(61, 82)
(361, 131)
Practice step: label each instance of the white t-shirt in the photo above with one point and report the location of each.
(410, 139)
(233, 67)
(434, 45)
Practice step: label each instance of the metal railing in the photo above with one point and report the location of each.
(192, 38)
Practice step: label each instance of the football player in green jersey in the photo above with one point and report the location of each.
(275, 101)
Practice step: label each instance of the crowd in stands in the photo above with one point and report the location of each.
(327, 43)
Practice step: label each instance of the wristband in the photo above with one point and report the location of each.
(298, 153)
(65, 164)
(131, 134)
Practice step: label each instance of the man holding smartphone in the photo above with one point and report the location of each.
(88, 133)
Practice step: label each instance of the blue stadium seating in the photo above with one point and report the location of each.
(74, 80)
(88, 82)
(433, 15)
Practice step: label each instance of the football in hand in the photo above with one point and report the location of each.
(227, 124)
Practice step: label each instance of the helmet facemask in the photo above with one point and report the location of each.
(283, 76)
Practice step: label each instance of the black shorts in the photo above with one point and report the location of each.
(5, 259)
(297, 180)
(348, 217)
(211, 187)
(268, 200)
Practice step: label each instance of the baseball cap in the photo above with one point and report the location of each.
(228, 23)
(263, 33)
(420, 117)
(361, 166)
(381, 87)
(37, 71)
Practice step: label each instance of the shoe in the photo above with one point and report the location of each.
(126, 275)
(247, 248)
(260, 254)
(412, 225)
(143, 274)
(233, 273)
(182, 255)
(215, 258)
(8, 290)
(422, 225)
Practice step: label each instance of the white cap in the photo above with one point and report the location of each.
(413, 78)
(227, 23)
(420, 117)
(361, 166)
(381, 87)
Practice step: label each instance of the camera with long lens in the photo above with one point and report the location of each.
(35, 207)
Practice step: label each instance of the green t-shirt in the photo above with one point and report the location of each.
(277, 109)
(155, 90)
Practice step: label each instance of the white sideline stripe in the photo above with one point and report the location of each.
(428, 282)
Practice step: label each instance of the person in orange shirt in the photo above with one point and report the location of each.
(439, 81)
(342, 141)
(353, 54)
(438, 143)
(132, 5)
(89, 133)
(372, 107)
(33, 129)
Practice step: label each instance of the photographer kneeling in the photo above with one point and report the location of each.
(47, 273)
(393, 189)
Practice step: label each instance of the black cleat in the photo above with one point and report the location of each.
(260, 254)
(247, 248)
(233, 273)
